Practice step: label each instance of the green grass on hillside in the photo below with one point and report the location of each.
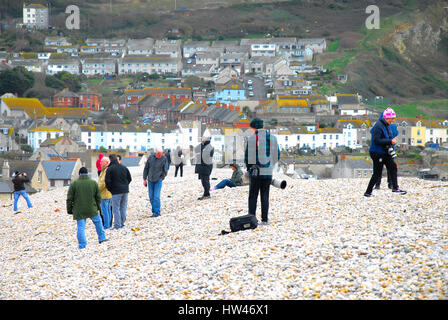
(340, 63)
(411, 110)
(333, 46)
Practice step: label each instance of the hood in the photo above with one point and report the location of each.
(100, 156)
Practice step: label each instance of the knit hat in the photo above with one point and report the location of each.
(389, 113)
(83, 170)
(256, 123)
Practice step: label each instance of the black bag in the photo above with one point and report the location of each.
(245, 222)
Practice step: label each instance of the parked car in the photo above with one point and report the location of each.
(249, 82)
(251, 93)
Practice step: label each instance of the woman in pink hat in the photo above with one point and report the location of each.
(382, 140)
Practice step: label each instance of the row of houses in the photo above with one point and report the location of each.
(200, 58)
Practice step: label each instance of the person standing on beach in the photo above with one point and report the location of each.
(153, 174)
(106, 196)
(117, 181)
(168, 160)
(19, 181)
(394, 130)
(179, 161)
(261, 154)
(83, 202)
(382, 139)
(98, 163)
(204, 165)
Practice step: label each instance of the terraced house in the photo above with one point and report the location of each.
(130, 137)
(311, 137)
(99, 66)
(72, 66)
(35, 16)
(140, 46)
(160, 64)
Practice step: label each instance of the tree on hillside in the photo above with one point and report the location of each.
(16, 80)
(63, 80)
(54, 82)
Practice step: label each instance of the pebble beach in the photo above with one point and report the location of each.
(324, 240)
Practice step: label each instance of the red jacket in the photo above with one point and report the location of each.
(98, 162)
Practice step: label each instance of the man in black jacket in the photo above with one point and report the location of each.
(117, 181)
(204, 165)
(19, 189)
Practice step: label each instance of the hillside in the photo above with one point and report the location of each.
(406, 60)
(324, 241)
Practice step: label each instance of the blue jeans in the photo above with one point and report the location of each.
(154, 189)
(106, 212)
(225, 183)
(81, 234)
(119, 206)
(22, 193)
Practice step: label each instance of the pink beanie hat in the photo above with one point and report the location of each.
(389, 113)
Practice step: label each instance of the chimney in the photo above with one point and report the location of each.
(5, 170)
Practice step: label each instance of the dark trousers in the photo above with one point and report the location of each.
(389, 180)
(259, 186)
(181, 166)
(379, 160)
(205, 180)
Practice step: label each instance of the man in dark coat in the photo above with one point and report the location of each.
(117, 181)
(19, 181)
(204, 165)
(261, 154)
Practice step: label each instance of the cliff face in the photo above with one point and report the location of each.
(424, 37)
(407, 62)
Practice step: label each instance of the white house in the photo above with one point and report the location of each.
(160, 64)
(140, 46)
(38, 135)
(72, 66)
(35, 16)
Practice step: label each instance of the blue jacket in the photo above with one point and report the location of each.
(381, 137)
(393, 129)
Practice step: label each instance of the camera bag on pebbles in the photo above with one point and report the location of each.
(245, 222)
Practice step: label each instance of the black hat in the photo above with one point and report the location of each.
(256, 123)
(83, 170)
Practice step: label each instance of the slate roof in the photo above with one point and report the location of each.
(6, 186)
(131, 161)
(27, 166)
(59, 170)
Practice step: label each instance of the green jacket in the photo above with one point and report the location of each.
(83, 198)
